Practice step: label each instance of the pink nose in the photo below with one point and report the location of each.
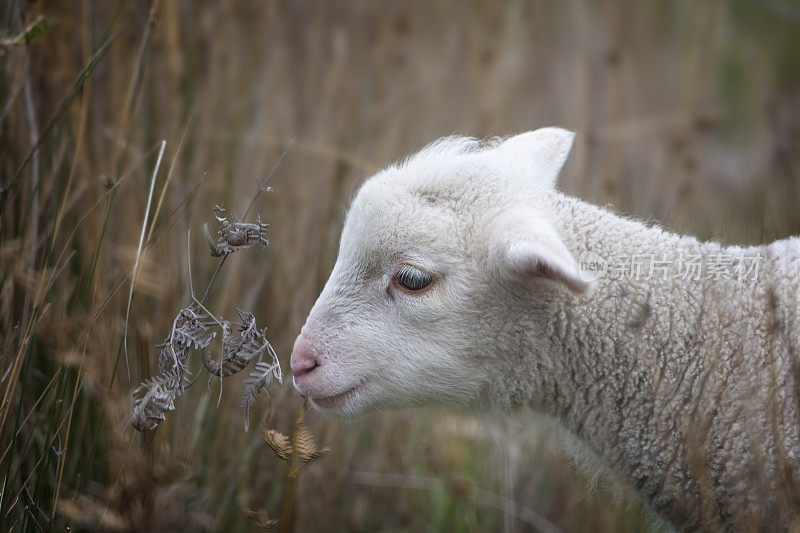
(303, 359)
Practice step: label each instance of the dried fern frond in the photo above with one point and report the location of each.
(307, 448)
(251, 342)
(151, 402)
(259, 379)
(238, 351)
(155, 397)
(235, 234)
(279, 442)
(189, 331)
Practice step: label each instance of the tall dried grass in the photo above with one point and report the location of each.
(688, 113)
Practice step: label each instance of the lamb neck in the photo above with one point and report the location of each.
(679, 380)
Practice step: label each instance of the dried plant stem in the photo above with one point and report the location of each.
(287, 514)
(263, 186)
(213, 279)
(139, 254)
(171, 172)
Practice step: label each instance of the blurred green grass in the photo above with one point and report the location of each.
(687, 113)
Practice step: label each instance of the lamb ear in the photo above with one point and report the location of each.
(527, 249)
(538, 155)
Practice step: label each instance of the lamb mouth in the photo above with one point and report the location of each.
(331, 402)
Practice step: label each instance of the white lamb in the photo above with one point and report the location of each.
(677, 362)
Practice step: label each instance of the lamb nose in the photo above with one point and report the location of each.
(303, 358)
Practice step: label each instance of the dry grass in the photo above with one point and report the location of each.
(688, 113)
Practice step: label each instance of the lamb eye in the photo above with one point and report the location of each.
(412, 279)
